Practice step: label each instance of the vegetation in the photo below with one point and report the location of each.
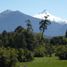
(43, 25)
(23, 45)
(45, 62)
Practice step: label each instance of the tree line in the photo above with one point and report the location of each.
(23, 44)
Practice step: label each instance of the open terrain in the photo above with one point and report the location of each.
(45, 62)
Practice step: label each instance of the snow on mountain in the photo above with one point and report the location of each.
(51, 17)
(9, 20)
(57, 27)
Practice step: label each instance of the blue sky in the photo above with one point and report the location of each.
(32, 7)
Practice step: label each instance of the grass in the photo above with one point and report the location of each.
(45, 62)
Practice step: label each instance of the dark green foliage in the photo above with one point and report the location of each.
(61, 52)
(20, 40)
(15, 47)
(59, 40)
(49, 50)
(29, 25)
(39, 51)
(8, 57)
(25, 55)
(43, 25)
(66, 34)
(22, 45)
(19, 29)
(63, 56)
(2, 61)
(28, 55)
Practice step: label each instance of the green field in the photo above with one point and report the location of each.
(45, 62)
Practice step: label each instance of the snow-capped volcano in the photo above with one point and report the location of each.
(50, 17)
(9, 20)
(57, 27)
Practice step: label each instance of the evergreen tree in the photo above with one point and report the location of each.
(43, 25)
(29, 25)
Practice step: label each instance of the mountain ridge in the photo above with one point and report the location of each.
(11, 19)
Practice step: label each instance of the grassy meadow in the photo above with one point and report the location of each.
(44, 62)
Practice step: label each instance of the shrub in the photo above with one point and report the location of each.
(61, 52)
(8, 57)
(63, 56)
(25, 55)
(39, 51)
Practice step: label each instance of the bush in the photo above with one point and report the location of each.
(8, 57)
(39, 51)
(28, 55)
(63, 56)
(61, 52)
(25, 55)
(59, 49)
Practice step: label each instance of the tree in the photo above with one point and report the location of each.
(66, 34)
(29, 35)
(5, 38)
(29, 25)
(43, 25)
(19, 29)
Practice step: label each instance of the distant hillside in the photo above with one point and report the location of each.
(9, 20)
